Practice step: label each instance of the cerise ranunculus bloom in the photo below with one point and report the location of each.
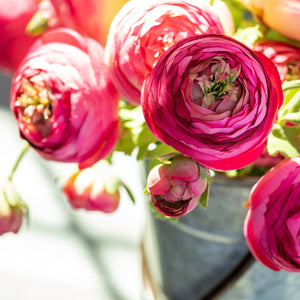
(88, 189)
(63, 99)
(14, 42)
(284, 56)
(213, 99)
(143, 30)
(175, 188)
(272, 225)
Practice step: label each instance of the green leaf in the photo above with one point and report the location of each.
(203, 200)
(167, 158)
(125, 143)
(273, 35)
(134, 131)
(284, 140)
(143, 139)
(38, 24)
(241, 16)
(160, 150)
(249, 35)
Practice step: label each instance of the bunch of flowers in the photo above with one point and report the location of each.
(190, 86)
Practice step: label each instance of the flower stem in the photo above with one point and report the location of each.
(19, 158)
(127, 189)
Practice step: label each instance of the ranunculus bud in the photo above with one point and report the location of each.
(12, 209)
(94, 188)
(64, 101)
(143, 30)
(272, 225)
(14, 42)
(213, 99)
(175, 188)
(284, 56)
(89, 17)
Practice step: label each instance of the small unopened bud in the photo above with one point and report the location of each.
(12, 209)
(176, 187)
(94, 188)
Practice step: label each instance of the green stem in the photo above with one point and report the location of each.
(19, 158)
(127, 189)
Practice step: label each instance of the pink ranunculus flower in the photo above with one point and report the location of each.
(272, 225)
(175, 188)
(213, 99)
(284, 56)
(14, 42)
(64, 101)
(88, 189)
(89, 17)
(143, 30)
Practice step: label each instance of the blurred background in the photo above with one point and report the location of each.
(63, 253)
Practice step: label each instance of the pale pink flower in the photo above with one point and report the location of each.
(143, 30)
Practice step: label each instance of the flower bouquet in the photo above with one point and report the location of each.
(199, 90)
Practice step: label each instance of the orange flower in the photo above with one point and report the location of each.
(280, 15)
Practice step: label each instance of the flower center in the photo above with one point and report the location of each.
(215, 83)
(34, 105)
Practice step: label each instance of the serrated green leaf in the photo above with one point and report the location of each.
(203, 200)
